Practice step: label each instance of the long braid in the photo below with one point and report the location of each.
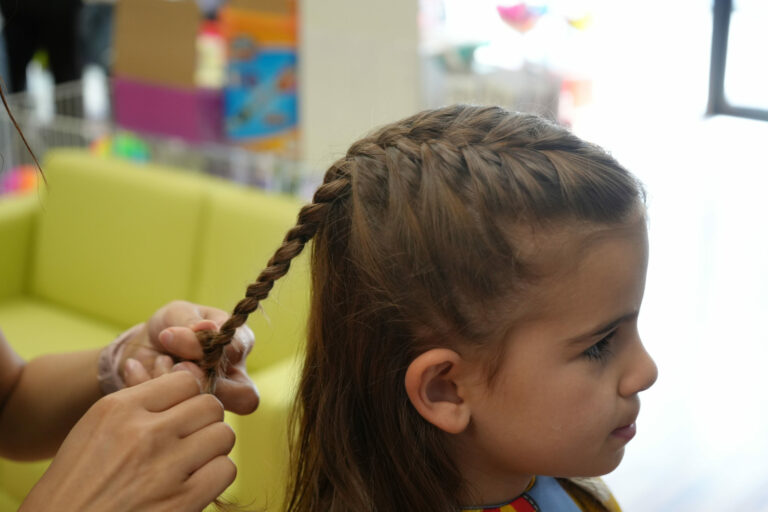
(335, 186)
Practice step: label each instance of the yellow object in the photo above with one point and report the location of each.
(109, 241)
(581, 23)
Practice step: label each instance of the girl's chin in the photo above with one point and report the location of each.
(602, 467)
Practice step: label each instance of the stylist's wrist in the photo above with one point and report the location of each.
(110, 360)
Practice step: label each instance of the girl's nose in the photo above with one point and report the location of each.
(641, 372)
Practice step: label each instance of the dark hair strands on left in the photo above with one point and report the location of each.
(21, 134)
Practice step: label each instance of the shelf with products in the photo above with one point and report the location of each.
(64, 117)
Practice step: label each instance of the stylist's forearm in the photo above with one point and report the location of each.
(52, 393)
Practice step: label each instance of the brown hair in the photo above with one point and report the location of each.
(21, 134)
(413, 249)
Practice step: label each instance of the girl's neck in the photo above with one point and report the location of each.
(482, 485)
(483, 490)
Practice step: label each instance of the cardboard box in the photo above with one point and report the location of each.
(154, 41)
(154, 85)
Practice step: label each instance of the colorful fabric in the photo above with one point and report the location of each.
(543, 495)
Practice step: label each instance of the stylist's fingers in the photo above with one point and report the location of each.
(163, 365)
(217, 315)
(196, 413)
(206, 444)
(208, 482)
(134, 372)
(190, 367)
(176, 313)
(166, 391)
(185, 314)
(193, 316)
(241, 346)
(237, 392)
(182, 342)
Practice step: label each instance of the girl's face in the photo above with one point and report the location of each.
(565, 399)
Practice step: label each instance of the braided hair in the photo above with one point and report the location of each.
(214, 362)
(413, 248)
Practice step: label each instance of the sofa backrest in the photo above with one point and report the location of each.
(242, 228)
(115, 240)
(17, 219)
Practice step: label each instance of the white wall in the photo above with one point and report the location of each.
(359, 68)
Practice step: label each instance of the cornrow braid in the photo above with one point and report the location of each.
(427, 253)
(336, 185)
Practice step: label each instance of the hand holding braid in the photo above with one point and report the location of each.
(335, 186)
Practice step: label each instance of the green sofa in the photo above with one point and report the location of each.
(107, 242)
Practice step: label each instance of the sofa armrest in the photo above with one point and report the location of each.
(17, 222)
(261, 450)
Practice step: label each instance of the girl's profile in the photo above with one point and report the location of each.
(477, 276)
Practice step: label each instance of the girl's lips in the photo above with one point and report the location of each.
(627, 432)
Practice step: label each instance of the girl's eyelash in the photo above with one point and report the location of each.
(601, 350)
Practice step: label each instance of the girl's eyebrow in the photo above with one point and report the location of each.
(604, 328)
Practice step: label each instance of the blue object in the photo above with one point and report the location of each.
(260, 97)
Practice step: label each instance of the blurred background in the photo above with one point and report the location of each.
(267, 92)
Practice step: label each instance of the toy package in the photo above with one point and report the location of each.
(260, 96)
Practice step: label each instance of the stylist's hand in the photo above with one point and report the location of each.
(171, 333)
(158, 446)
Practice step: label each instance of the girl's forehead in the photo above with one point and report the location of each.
(561, 261)
(559, 247)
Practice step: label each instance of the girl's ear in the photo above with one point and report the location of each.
(433, 382)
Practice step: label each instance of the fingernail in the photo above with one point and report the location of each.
(178, 367)
(162, 361)
(181, 367)
(166, 337)
(131, 365)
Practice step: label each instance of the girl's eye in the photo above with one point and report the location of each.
(600, 350)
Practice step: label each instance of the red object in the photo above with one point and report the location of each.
(194, 115)
(522, 17)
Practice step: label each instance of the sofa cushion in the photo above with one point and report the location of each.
(261, 452)
(115, 239)
(7, 503)
(17, 479)
(242, 228)
(35, 327)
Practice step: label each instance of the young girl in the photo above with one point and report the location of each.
(473, 344)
